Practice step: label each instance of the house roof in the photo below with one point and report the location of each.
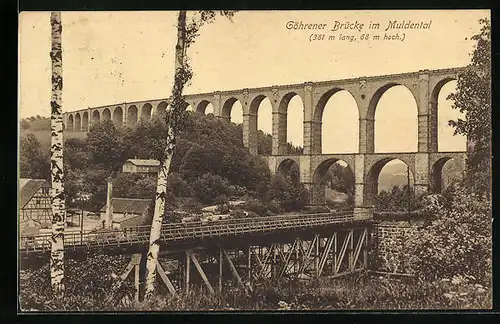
(129, 205)
(28, 188)
(139, 162)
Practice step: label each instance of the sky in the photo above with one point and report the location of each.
(113, 57)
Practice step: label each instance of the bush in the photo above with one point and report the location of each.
(90, 285)
(274, 206)
(237, 191)
(290, 194)
(222, 209)
(318, 210)
(456, 238)
(238, 214)
(173, 217)
(210, 186)
(257, 207)
(178, 186)
(251, 214)
(192, 205)
(221, 200)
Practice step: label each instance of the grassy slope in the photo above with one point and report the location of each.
(44, 136)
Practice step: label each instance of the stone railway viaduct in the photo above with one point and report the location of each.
(426, 164)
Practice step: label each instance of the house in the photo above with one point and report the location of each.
(35, 204)
(126, 212)
(141, 166)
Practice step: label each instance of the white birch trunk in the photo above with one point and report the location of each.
(56, 159)
(159, 211)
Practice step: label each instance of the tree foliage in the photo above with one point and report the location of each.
(397, 200)
(33, 163)
(105, 145)
(473, 98)
(456, 239)
(288, 192)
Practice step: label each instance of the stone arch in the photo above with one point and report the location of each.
(118, 116)
(161, 108)
(372, 178)
(85, 121)
(78, 122)
(281, 120)
(132, 115)
(372, 109)
(253, 122)
(70, 123)
(319, 186)
(289, 168)
(106, 114)
(434, 113)
(320, 106)
(318, 114)
(227, 108)
(436, 184)
(96, 116)
(146, 111)
(202, 106)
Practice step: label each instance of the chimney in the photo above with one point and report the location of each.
(109, 205)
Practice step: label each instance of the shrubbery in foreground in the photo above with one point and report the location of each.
(356, 292)
(455, 241)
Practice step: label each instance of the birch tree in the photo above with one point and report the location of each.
(186, 34)
(56, 159)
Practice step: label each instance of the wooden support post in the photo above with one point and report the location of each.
(287, 259)
(317, 255)
(249, 264)
(200, 271)
(165, 279)
(123, 276)
(128, 269)
(305, 261)
(335, 252)
(233, 270)
(187, 274)
(365, 250)
(326, 252)
(351, 250)
(343, 249)
(295, 264)
(136, 282)
(358, 249)
(275, 257)
(220, 270)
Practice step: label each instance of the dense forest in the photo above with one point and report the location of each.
(210, 165)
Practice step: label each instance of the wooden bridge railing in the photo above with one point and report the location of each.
(191, 230)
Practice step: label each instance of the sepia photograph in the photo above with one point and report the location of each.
(238, 160)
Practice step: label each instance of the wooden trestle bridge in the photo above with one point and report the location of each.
(246, 249)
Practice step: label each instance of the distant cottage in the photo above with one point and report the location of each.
(141, 166)
(35, 207)
(127, 212)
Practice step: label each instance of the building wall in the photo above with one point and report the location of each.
(38, 211)
(129, 167)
